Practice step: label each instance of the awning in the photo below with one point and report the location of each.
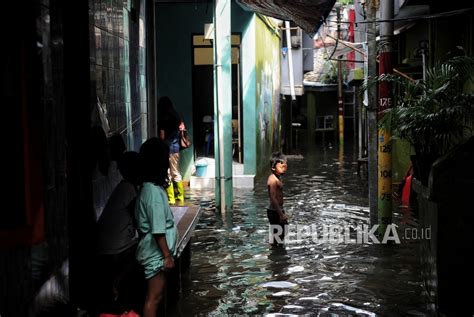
(307, 14)
(405, 12)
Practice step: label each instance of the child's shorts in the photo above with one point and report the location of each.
(274, 218)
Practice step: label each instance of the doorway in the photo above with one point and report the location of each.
(203, 97)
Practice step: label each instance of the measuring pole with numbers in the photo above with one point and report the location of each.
(385, 103)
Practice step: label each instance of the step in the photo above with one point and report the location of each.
(238, 181)
(237, 168)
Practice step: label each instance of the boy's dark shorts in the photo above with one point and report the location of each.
(274, 218)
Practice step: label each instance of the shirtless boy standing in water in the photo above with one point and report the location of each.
(275, 213)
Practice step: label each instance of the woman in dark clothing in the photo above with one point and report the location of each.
(169, 125)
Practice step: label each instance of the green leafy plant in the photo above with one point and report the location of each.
(435, 114)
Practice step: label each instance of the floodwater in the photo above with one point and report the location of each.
(234, 270)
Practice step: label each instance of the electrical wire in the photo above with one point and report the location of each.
(423, 17)
(415, 18)
(326, 51)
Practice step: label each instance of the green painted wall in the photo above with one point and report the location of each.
(175, 24)
(401, 151)
(267, 78)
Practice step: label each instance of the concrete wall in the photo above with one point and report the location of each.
(118, 68)
(118, 81)
(267, 71)
(445, 207)
(175, 23)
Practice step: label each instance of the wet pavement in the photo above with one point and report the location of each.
(234, 270)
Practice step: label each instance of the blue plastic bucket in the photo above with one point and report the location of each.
(201, 169)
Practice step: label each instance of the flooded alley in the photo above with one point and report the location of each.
(391, 82)
(235, 271)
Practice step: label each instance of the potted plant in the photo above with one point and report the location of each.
(433, 115)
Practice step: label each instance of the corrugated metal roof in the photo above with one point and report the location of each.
(307, 14)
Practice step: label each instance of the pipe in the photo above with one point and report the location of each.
(290, 60)
(239, 138)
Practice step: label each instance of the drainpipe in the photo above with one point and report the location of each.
(424, 50)
(290, 60)
(423, 57)
(239, 136)
(223, 104)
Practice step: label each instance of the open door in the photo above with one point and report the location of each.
(203, 97)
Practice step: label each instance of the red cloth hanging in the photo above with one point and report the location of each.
(406, 191)
(125, 314)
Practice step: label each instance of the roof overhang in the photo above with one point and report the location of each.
(307, 14)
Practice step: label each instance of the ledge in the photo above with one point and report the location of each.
(186, 218)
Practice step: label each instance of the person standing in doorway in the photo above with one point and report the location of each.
(169, 125)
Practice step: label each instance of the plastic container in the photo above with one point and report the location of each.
(201, 168)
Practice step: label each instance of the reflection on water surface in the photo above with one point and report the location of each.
(235, 271)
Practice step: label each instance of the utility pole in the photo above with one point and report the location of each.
(385, 103)
(371, 56)
(340, 101)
